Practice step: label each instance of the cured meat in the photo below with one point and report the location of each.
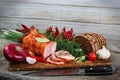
(60, 57)
(64, 55)
(55, 58)
(44, 49)
(51, 61)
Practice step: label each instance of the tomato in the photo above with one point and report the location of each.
(92, 56)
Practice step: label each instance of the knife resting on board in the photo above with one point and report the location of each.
(74, 71)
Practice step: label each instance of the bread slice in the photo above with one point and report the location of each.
(104, 40)
(90, 40)
(94, 39)
(97, 41)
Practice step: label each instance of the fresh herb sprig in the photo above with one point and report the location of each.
(10, 35)
(17, 36)
(66, 41)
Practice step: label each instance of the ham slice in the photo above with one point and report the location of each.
(55, 58)
(65, 55)
(44, 49)
(60, 57)
(51, 61)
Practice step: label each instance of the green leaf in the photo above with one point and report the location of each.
(41, 39)
(65, 44)
(80, 59)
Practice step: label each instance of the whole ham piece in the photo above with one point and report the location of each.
(44, 49)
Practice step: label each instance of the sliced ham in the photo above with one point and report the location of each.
(65, 55)
(51, 61)
(60, 57)
(55, 58)
(44, 49)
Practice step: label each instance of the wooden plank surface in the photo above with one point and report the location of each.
(60, 13)
(42, 66)
(86, 3)
(77, 27)
(111, 32)
(101, 16)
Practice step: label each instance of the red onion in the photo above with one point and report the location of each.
(14, 53)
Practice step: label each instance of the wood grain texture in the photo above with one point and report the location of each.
(87, 3)
(78, 27)
(40, 66)
(61, 13)
(100, 16)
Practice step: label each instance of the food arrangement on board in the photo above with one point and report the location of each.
(54, 49)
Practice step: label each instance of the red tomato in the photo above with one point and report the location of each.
(92, 56)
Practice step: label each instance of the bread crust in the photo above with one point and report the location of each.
(84, 41)
(94, 41)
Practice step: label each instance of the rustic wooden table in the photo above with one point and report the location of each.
(100, 16)
(16, 75)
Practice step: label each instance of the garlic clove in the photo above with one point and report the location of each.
(30, 60)
(103, 53)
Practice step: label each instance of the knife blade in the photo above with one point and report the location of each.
(74, 71)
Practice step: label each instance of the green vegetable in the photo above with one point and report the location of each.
(65, 40)
(66, 44)
(42, 39)
(80, 59)
(10, 35)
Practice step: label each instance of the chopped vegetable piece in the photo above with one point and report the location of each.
(92, 56)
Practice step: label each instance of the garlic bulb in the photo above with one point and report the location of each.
(103, 53)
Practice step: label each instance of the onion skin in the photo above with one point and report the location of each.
(12, 55)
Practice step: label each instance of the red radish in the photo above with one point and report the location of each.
(65, 55)
(14, 53)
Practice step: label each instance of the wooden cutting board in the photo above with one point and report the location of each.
(39, 65)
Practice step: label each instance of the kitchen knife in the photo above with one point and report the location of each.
(74, 71)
